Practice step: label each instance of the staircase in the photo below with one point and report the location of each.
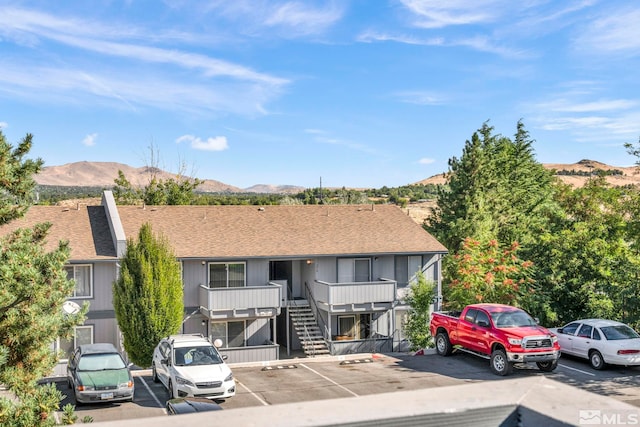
(308, 331)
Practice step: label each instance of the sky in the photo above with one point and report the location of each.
(338, 93)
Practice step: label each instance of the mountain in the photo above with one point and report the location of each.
(575, 174)
(103, 174)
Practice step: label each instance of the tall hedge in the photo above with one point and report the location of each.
(147, 296)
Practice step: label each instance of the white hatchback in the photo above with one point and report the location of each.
(190, 366)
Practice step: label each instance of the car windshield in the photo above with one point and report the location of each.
(619, 332)
(200, 355)
(512, 319)
(100, 362)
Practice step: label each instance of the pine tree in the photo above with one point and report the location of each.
(148, 297)
(33, 288)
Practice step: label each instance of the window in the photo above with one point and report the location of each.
(82, 335)
(227, 275)
(347, 326)
(83, 276)
(406, 269)
(570, 329)
(585, 331)
(354, 270)
(231, 333)
(415, 266)
(482, 317)
(470, 316)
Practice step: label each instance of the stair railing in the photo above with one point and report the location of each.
(319, 321)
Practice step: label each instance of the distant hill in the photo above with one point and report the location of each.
(575, 174)
(103, 174)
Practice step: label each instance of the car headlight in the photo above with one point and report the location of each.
(554, 339)
(85, 387)
(515, 341)
(184, 381)
(128, 384)
(229, 377)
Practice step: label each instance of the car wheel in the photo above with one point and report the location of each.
(596, 360)
(172, 395)
(154, 374)
(547, 366)
(443, 345)
(500, 365)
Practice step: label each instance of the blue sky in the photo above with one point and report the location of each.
(356, 93)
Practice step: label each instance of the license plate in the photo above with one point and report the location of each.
(104, 396)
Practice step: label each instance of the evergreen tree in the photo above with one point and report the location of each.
(148, 297)
(496, 190)
(33, 288)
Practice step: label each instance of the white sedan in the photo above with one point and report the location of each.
(600, 341)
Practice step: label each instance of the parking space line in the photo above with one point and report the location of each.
(578, 370)
(160, 405)
(252, 393)
(328, 379)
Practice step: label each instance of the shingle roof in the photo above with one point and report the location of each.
(239, 231)
(281, 231)
(86, 228)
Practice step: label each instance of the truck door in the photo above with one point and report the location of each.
(481, 333)
(466, 328)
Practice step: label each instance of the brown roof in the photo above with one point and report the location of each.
(86, 228)
(281, 231)
(239, 231)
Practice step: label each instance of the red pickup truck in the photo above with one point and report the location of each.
(501, 333)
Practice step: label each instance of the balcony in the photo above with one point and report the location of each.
(245, 302)
(355, 296)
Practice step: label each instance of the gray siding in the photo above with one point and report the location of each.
(194, 274)
(104, 274)
(354, 293)
(257, 272)
(251, 354)
(225, 299)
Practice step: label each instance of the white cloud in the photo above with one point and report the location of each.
(212, 85)
(90, 140)
(615, 32)
(292, 18)
(420, 97)
(218, 143)
(374, 36)
(438, 13)
(426, 161)
(4, 125)
(302, 18)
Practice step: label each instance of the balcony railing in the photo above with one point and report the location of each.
(261, 300)
(350, 293)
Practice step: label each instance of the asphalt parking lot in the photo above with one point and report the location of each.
(302, 379)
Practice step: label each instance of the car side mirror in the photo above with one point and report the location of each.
(537, 320)
(483, 323)
(165, 361)
(224, 357)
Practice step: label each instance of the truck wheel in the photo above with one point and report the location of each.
(500, 365)
(443, 345)
(547, 366)
(596, 360)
